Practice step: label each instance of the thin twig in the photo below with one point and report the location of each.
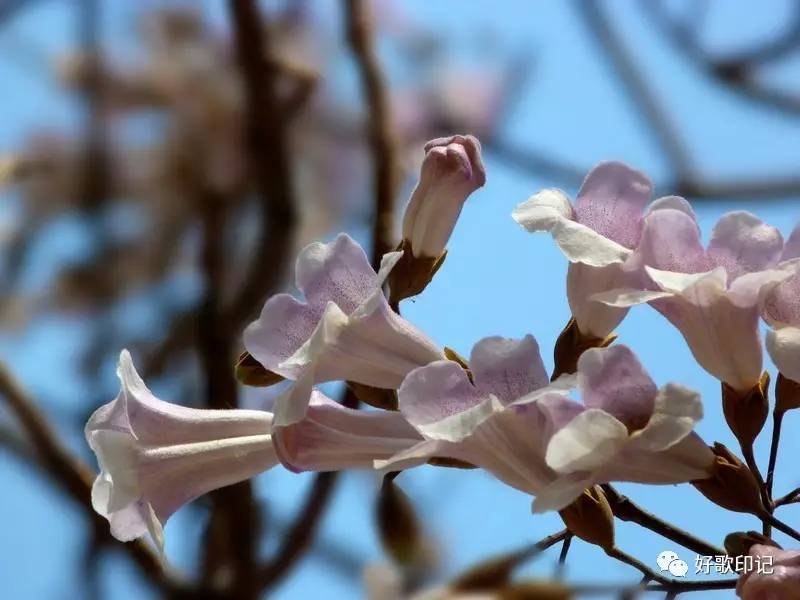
(736, 75)
(268, 151)
(777, 422)
(642, 99)
(562, 557)
(790, 498)
(665, 584)
(626, 510)
(379, 126)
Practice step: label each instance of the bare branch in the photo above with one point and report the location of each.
(382, 144)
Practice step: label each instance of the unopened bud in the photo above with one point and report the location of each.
(397, 524)
(787, 394)
(746, 413)
(590, 518)
(377, 397)
(249, 371)
(571, 344)
(535, 590)
(731, 485)
(739, 543)
(451, 170)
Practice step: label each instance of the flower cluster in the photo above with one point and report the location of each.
(604, 420)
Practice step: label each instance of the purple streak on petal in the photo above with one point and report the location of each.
(611, 201)
(783, 303)
(671, 242)
(339, 272)
(283, 326)
(436, 391)
(614, 380)
(507, 368)
(742, 243)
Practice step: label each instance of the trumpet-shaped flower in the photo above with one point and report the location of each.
(155, 456)
(782, 312)
(597, 235)
(778, 578)
(531, 435)
(344, 330)
(713, 296)
(332, 437)
(451, 171)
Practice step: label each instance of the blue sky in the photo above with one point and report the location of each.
(497, 280)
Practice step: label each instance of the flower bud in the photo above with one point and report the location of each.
(746, 413)
(536, 590)
(739, 543)
(397, 523)
(732, 485)
(590, 518)
(451, 171)
(787, 394)
(248, 371)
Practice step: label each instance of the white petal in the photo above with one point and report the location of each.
(677, 283)
(548, 211)
(627, 297)
(783, 346)
(560, 493)
(586, 443)
(677, 410)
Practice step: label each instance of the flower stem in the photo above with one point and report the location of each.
(627, 510)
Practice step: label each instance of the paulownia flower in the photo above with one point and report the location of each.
(713, 296)
(451, 171)
(332, 437)
(531, 435)
(782, 312)
(344, 330)
(155, 456)
(778, 580)
(597, 235)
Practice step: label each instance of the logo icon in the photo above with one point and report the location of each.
(670, 561)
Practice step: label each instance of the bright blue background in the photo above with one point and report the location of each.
(497, 280)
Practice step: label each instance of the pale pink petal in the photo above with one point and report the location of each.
(335, 272)
(437, 391)
(687, 460)
(549, 210)
(613, 379)
(722, 335)
(586, 443)
(742, 243)
(561, 492)
(676, 412)
(670, 241)
(283, 326)
(373, 346)
(155, 456)
(333, 437)
(782, 304)
(611, 202)
(672, 202)
(783, 345)
(451, 171)
(508, 368)
(791, 249)
(583, 283)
